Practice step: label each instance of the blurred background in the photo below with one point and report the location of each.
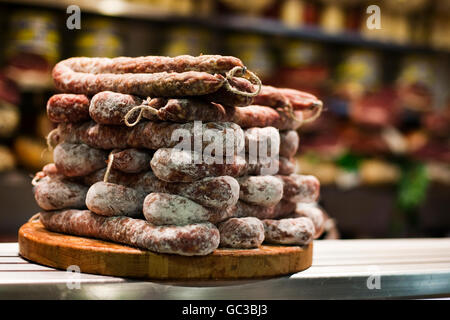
(381, 149)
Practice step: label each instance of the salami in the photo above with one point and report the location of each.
(74, 160)
(286, 166)
(152, 76)
(191, 240)
(111, 107)
(289, 141)
(151, 135)
(300, 100)
(300, 188)
(241, 233)
(68, 108)
(116, 108)
(298, 231)
(212, 192)
(176, 165)
(54, 194)
(170, 209)
(265, 191)
(131, 160)
(281, 209)
(312, 212)
(110, 199)
(282, 97)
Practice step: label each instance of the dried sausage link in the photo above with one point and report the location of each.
(191, 240)
(241, 233)
(299, 231)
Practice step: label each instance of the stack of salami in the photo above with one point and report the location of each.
(119, 173)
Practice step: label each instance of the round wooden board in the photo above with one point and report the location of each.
(106, 258)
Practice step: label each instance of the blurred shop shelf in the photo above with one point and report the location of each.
(18, 203)
(236, 23)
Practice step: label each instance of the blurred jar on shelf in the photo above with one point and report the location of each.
(332, 16)
(7, 159)
(415, 82)
(33, 48)
(358, 73)
(303, 66)
(248, 7)
(299, 12)
(99, 38)
(253, 50)
(186, 40)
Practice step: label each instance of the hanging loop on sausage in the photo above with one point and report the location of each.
(241, 72)
(35, 217)
(143, 107)
(49, 139)
(317, 108)
(108, 168)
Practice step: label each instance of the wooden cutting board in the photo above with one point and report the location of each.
(106, 258)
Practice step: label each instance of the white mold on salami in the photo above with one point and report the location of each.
(75, 160)
(261, 190)
(190, 240)
(299, 231)
(241, 233)
(53, 194)
(109, 199)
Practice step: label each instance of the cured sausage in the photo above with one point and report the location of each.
(152, 76)
(131, 160)
(212, 192)
(170, 209)
(68, 108)
(112, 108)
(286, 166)
(289, 141)
(153, 64)
(282, 97)
(299, 231)
(281, 209)
(265, 191)
(152, 135)
(300, 188)
(191, 240)
(241, 233)
(74, 160)
(54, 194)
(176, 165)
(110, 199)
(312, 212)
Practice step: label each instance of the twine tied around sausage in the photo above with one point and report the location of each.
(242, 72)
(49, 139)
(143, 107)
(34, 217)
(318, 108)
(109, 166)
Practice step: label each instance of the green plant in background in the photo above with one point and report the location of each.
(411, 193)
(349, 161)
(412, 188)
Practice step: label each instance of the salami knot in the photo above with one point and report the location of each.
(241, 72)
(143, 107)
